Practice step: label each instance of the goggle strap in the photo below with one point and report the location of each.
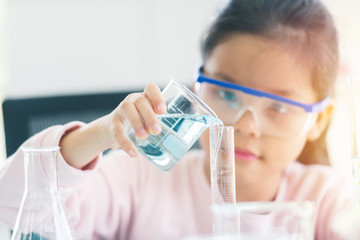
(316, 107)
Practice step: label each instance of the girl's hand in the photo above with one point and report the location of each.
(81, 146)
(139, 110)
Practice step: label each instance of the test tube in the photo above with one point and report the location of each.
(222, 164)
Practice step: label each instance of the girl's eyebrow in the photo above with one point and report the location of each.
(284, 92)
(224, 77)
(280, 92)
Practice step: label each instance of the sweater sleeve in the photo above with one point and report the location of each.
(336, 201)
(98, 199)
(329, 189)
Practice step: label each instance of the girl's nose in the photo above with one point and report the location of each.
(247, 124)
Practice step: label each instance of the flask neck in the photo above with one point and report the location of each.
(40, 171)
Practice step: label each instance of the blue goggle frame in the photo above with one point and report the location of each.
(310, 108)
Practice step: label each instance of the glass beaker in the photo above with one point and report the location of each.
(265, 220)
(186, 119)
(41, 215)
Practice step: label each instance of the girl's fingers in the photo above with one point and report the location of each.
(153, 93)
(130, 112)
(139, 110)
(124, 142)
(148, 115)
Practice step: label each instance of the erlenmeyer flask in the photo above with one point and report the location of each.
(41, 215)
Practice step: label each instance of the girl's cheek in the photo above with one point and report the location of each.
(205, 141)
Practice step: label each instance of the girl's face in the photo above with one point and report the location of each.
(258, 63)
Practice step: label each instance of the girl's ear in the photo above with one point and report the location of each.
(193, 87)
(321, 123)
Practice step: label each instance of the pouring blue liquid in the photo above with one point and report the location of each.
(178, 134)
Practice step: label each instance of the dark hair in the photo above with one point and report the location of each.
(303, 26)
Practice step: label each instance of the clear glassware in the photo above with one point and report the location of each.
(222, 164)
(41, 215)
(214, 237)
(187, 117)
(354, 121)
(262, 221)
(265, 220)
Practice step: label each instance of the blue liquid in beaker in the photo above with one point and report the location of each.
(179, 132)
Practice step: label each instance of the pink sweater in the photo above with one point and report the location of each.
(117, 197)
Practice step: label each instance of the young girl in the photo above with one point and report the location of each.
(268, 69)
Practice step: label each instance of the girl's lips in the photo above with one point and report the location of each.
(245, 155)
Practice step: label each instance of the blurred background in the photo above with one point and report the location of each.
(62, 47)
(53, 47)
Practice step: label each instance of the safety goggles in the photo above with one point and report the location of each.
(273, 115)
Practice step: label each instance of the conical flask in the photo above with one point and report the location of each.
(41, 215)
